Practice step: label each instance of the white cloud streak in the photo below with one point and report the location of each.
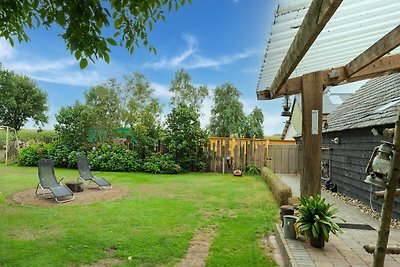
(6, 50)
(161, 90)
(191, 59)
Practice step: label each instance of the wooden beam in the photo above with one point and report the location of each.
(311, 97)
(383, 46)
(383, 66)
(318, 15)
(292, 86)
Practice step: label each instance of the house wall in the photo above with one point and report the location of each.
(291, 131)
(348, 161)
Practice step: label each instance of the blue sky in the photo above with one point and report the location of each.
(216, 41)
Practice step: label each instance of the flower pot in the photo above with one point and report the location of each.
(317, 242)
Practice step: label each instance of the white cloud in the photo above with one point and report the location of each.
(191, 59)
(273, 123)
(161, 90)
(29, 67)
(206, 112)
(6, 50)
(61, 70)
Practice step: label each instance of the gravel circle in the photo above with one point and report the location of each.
(89, 195)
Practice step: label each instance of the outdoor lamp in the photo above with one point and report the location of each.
(379, 165)
(286, 106)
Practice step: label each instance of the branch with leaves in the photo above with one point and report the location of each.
(83, 23)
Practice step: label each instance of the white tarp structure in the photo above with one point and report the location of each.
(355, 26)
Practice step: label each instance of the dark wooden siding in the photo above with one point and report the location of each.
(348, 160)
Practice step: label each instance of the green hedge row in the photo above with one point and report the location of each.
(105, 157)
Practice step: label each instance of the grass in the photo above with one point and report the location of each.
(151, 227)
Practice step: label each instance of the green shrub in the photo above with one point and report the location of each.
(253, 170)
(158, 163)
(282, 192)
(29, 156)
(113, 158)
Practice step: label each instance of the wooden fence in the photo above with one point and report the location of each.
(228, 154)
(284, 159)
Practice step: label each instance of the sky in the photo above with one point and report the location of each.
(215, 41)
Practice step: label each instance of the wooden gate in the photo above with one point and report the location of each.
(228, 154)
(284, 159)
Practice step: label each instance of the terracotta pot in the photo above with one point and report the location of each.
(317, 242)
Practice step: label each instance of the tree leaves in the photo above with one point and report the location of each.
(83, 63)
(20, 100)
(83, 24)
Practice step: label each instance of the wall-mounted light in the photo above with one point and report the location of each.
(286, 106)
(333, 74)
(336, 140)
(374, 131)
(379, 165)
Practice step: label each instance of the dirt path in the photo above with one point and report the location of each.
(199, 246)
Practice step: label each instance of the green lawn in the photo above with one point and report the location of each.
(151, 227)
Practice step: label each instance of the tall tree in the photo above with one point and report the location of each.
(143, 111)
(83, 23)
(253, 126)
(227, 116)
(185, 92)
(185, 139)
(20, 100)
(73, 125)
(104, 105)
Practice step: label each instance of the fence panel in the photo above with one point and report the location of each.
(228, 154)
(284, 158)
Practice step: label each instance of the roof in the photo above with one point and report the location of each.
(375, 103)
(355, 26)
(331, 101)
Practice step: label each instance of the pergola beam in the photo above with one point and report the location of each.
(383, 46)
(383, 66)
(318, 15)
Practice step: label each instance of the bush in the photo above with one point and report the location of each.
(158, 163)
(282, 192)
(113, 158)
(102, 158)
(29, 156)
(253, 170)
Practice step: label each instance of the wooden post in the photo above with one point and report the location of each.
(310, 181)
(7, 143)
(387, 208)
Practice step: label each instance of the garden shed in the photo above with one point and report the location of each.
(354, 129)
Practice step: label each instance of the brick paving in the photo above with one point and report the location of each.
(343, 250)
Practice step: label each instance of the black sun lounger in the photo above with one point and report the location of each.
(50, 187)
(86, 175)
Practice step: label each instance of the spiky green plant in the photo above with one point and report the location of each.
(316, 217)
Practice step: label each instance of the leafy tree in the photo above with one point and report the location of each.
(73, 125)
(227, 116)
(185, 139)
(20, 100)
(104, 105)
(253, 126)
(142, 112)
(83, 23)
(185, 92)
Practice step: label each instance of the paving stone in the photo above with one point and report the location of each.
(323, 264)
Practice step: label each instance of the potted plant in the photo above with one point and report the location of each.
(316, 220)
